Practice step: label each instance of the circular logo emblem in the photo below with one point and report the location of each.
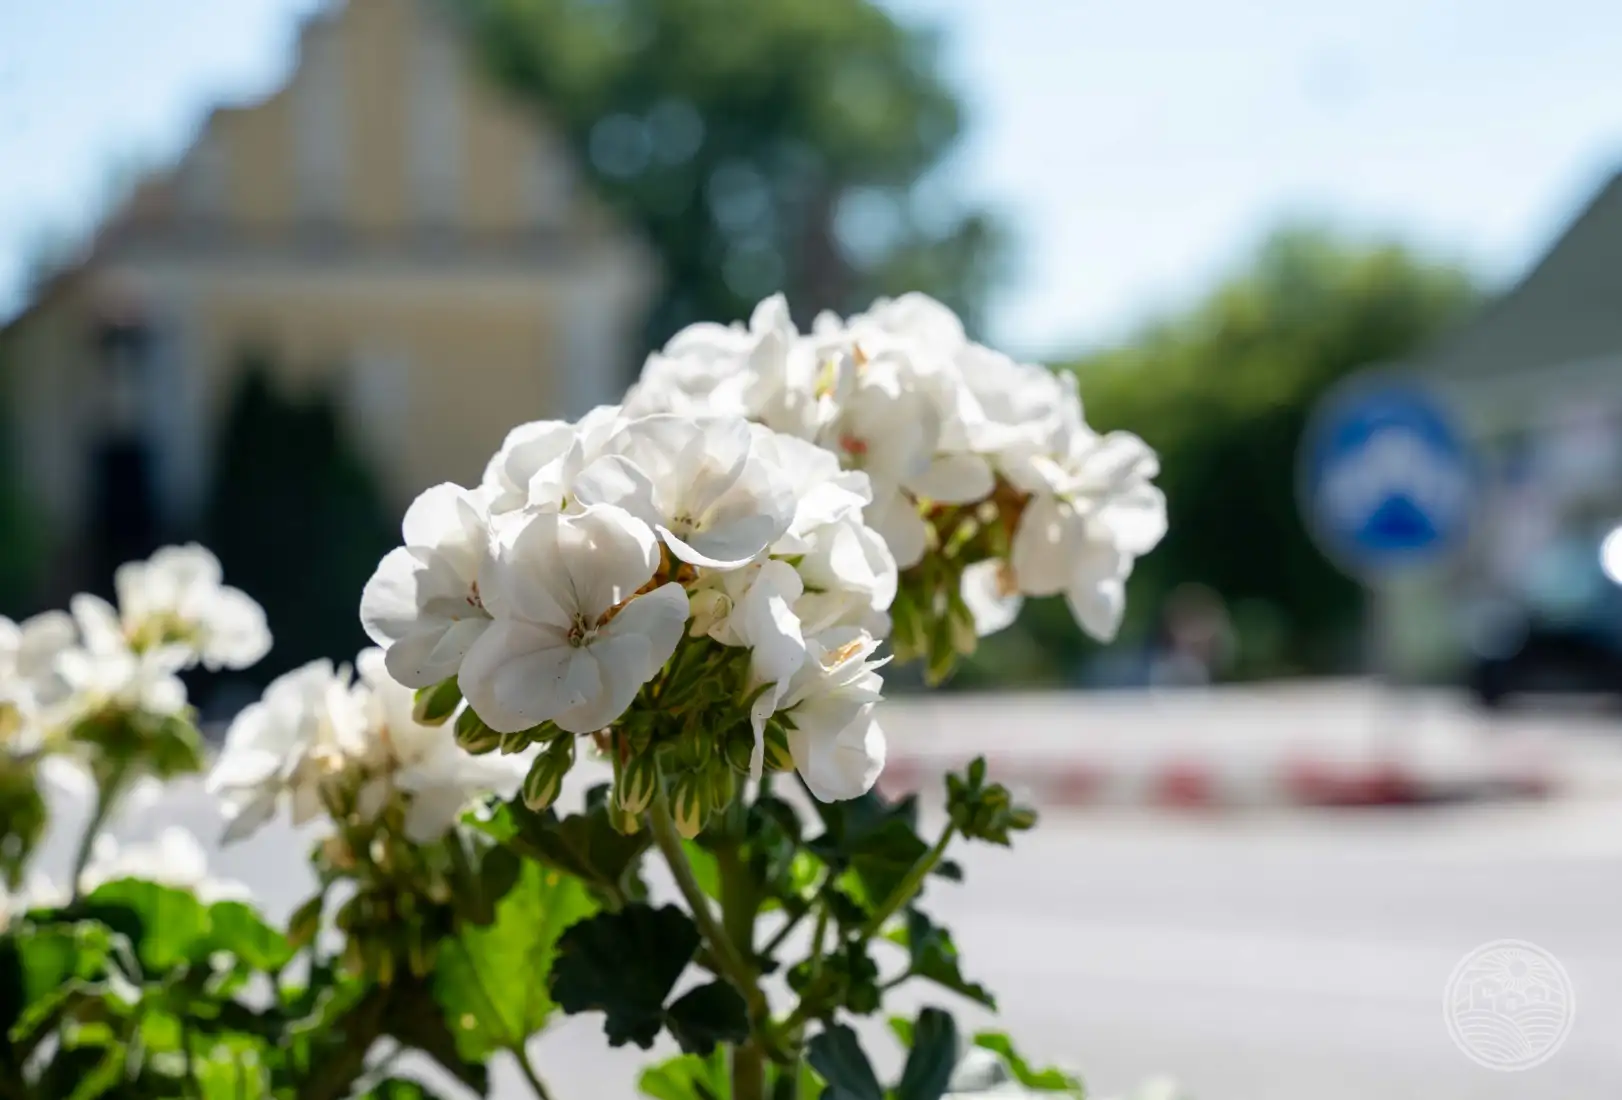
(1509, 1005)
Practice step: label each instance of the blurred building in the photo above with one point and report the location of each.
(386, 227)
(1536, 381)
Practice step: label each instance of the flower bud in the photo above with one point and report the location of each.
(473, 735)
(515, 742)
(740, 746)
(305, 922)
(778, 756)
(723, 784)
(433, 706)
(689, 803)
(546, 774)
(636, 781)
(625, 824)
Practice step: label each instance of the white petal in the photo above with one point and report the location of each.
(428, 656)
(1098, 606)
(954, 479)
(1046, 541)
(615, 479)
(435, 516)
(993, 607)
(896, 518)
(608, 554)
(1135, 519)
(518, 675)
(432, 812)
(841, 764)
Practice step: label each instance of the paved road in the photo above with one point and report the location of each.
(1269, 955)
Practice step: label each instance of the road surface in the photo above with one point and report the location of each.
(1260, 955)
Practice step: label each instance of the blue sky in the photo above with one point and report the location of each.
(1138, 149)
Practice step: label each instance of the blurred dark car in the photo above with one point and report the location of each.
(1562, 634)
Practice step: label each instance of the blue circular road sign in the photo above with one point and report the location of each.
(1387, 480)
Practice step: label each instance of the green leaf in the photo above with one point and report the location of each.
(837, 1057)
(166, 926)
(707, 1015)
(624, 964)
(240, 930)
(932, 1058)
(584, 845)
(876, 840)
(1039, 1080)
(398, 1088)
(688, 1077)
(934, 956)
(706, 870)
(491, 981)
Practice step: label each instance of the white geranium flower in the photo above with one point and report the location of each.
(571, 641)
(538, 462)
(849, 578)
(282, 748)
(424, 762)
(837, 745)
(1090, 516)
(174, 859)
(423, 605)
(177, 596)
(698, 484)
(103, 671)
(992, 596)
(824, 492)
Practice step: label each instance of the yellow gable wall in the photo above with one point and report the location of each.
(496, 142)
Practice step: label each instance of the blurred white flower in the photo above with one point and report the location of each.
(424, 762)
(36, 892)
(103, 671)
(177, 596)
(281, 749)
(571, 640)
(174, 859)
(1091, 514)
(991, 593)
(423, 604)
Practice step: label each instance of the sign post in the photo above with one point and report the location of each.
(1386, 483)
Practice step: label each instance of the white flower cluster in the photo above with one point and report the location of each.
(559, 587)
(327, 744)
(943, 427)
(173, 613)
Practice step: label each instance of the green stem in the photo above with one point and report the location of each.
(357, 1030)
(732, 966)
(536, 1085)
(908, 887)
(740, 907)
(107, 792)
(904, 892)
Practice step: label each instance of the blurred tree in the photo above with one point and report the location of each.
(758, 146)
(296, 520)
(21, 543)
(1223, 393)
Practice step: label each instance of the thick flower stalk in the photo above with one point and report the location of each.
(702, 595)
(987, 485)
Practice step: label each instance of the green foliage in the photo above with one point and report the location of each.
(625, 965)
(490, 981)
(836, 1054)
(757, 147)
(584, 845)
(1036, 1080)
(932, 1051)
(984, 811)
(1223, 391)
(932, 955)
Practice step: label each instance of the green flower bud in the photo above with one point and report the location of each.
(778, 756)
(689, 803)
(305, 922)
(624, 823)
(723, 784)
(433, 706)
(546, 774)
(516, 742)
(740, 746)
(636, 781)
(473, 735)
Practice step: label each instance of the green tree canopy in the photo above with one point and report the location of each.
(1223, 392)
(758, 146)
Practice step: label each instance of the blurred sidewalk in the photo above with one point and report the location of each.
(1343, 742)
